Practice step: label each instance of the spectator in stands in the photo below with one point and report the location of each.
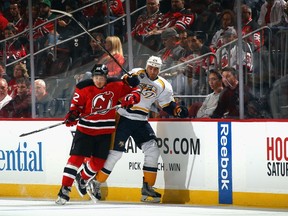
(20, 105)
(116, 10)
(272, 13)
(43, 35)
(19, 71)
(3, 21)
(4, 97)
(172, 51)
(3, 73)
(16, 17)
(2, 70)
(208, 21)
(43, 99)
(211, 101)
(250, 25)
(35, 14)
(114, 46)
(94, 14)
(183, 38)
(255, 6)
(14, 48)
(183, 41)
(227, 24)
(198, 6)
(228, 54)
(228, 103)
(170, 55)
(145, 23)
(178, 18)
(94, 50)
(195, 71)
(67, 28)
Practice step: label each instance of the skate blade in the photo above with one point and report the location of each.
(60, 201)
(150, 199)
(77, 188)
(93, 198)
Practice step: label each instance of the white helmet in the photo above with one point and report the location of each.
(154, 61)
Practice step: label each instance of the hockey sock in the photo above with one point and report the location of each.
(91, 167)
(149, 177)
(70, 170)
(102, 175)
(97, 163)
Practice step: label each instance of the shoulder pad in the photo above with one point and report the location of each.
(85, 83)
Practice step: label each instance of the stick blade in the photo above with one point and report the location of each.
(24, 134)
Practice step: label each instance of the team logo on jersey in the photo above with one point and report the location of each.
(121, 144)
(103, 102)
(148, 91)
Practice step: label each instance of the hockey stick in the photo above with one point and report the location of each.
(91, 36)
(42, 129)
(61, 123)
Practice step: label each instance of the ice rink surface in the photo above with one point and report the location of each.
(27, 207)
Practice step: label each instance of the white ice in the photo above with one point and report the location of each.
(25, 207)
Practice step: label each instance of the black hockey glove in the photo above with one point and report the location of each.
(71, 118)
(133, 80)
(181, 112)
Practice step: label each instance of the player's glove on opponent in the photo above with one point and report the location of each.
(181, 112)
(132, 80)
(129, 100)
(71, 118)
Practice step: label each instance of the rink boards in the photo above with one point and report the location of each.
(202, 162)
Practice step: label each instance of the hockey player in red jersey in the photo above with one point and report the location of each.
(93, 132)
(134, 122)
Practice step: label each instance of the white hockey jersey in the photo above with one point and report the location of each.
(159, 90)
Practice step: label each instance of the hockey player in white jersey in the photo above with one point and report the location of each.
(134, 122)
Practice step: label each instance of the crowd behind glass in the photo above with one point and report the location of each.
(196, 40)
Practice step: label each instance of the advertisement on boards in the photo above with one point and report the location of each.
(33, 159)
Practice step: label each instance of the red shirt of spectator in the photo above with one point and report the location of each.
(3, 22)
(116, 8)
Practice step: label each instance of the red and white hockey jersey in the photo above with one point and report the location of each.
(88, 99)
(145, 23)
(180, 20)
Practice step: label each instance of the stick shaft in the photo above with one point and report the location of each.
(58, 124)
(42, 129)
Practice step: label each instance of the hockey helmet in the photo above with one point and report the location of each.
(99, 69)
(154, 61)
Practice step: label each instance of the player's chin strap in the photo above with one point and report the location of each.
(61, 123)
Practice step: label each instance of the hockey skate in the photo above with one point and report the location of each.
(149, 194)
(94, 190)
(80, 185)
(63, 195)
